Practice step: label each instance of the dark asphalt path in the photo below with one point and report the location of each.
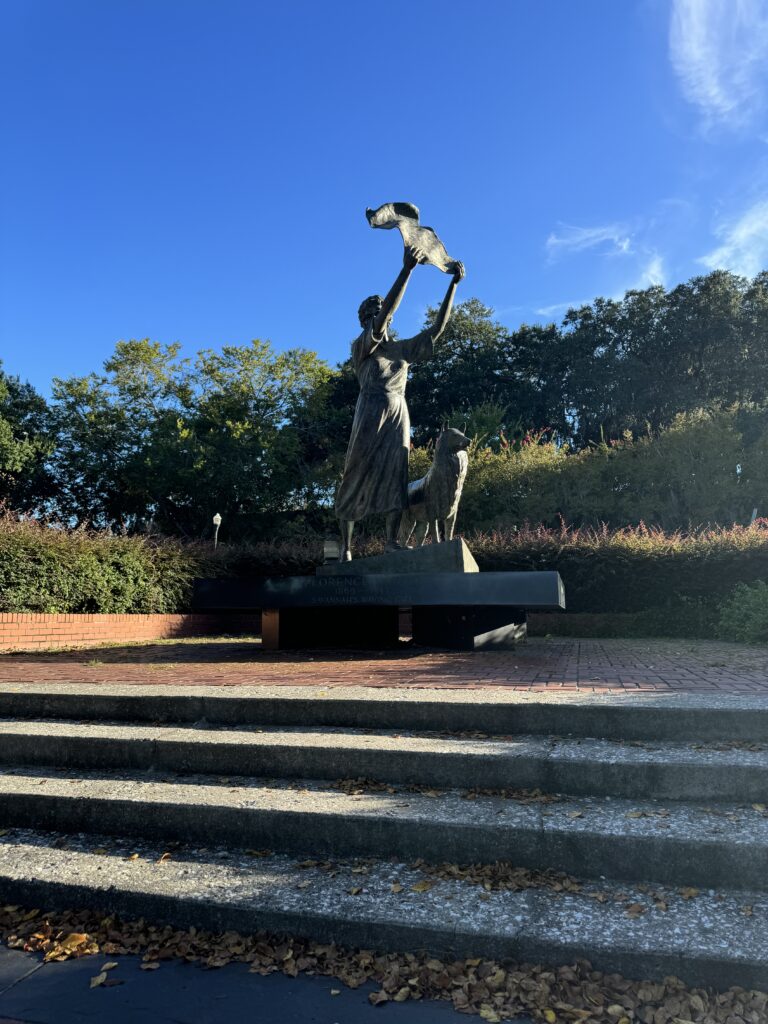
(35, 993)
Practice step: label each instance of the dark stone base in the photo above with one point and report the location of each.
(469, 628)
(350, 627)
(461, 611)
(455, 627)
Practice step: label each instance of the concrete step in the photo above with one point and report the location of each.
(659, 770)
(677, 844)
(632, 716)
(714, 939)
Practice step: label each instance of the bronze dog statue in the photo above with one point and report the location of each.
(433, 501)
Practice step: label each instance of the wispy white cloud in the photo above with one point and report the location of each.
(744, 243)
(506, 310)
(613, 238)
(652, 272)
(719, 51)
(557, 308)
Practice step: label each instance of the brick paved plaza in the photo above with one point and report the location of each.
(542, 664)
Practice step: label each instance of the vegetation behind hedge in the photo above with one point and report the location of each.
(674, 583)
(681, 477)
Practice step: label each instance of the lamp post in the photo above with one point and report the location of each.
(216, 525)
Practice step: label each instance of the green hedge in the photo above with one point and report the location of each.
(53, 570)
(673, 584)
(744, 616)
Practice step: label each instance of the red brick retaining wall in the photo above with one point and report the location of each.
(21, 631)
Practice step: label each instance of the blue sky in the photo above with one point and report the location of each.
(198, 170)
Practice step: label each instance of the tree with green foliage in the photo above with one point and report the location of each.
(635, 363)
(473, 365)
(163, 441)
(24, 446)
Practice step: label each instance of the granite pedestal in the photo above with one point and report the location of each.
(456, 610)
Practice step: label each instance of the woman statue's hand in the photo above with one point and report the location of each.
(412, 256)
(459, 272)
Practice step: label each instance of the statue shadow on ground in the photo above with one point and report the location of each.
(217, 650)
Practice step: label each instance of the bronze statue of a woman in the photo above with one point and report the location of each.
(375, 478)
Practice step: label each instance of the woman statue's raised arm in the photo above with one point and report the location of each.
(411, 257)
(444, 313)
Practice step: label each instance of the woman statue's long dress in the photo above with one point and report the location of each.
(375, 478)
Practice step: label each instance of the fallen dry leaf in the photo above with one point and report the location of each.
(99, 979)
(424, 886)
(635, 910)
(72, 944)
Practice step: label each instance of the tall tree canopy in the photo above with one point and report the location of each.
(162, 439)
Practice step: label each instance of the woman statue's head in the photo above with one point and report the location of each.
(369, 308)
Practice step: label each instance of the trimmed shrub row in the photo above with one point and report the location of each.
(52, 570)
